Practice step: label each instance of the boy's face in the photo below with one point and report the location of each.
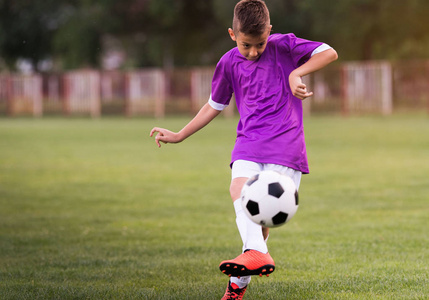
(251, 47)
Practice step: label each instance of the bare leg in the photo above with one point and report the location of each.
(265, 232)
(236, 187)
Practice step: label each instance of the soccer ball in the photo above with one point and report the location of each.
(269, 198)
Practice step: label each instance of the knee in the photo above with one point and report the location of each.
(236, 187)
(233, 192)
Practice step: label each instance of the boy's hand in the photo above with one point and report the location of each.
(165, 136)
(299, 89)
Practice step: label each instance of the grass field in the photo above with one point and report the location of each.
(92, 209)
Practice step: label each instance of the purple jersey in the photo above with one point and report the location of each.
(270, 129)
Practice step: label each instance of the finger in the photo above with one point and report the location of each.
(304, 92)
(158, 136)
(161, 138)
(300, 94)
(307, 95)
(155, 129)
(301, 86)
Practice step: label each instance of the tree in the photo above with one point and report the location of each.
(26, 29)
(370, 29)
(189, 32)
(77, 42)
(168, 32)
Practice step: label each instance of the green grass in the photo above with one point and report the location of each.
(92, 209)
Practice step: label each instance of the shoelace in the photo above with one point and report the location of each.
(235, 293)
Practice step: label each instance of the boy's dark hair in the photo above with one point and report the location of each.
(251, 17)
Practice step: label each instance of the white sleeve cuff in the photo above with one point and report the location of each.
(321, 48)
(216, 105)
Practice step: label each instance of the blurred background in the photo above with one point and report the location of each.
(156, 57)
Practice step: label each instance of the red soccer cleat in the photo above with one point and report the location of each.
(233, 292)
(251, 262)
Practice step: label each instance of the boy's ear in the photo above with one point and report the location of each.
(232, 35)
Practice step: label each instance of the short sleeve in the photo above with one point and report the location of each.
(321, 48)
(221, 82)
(299, 49)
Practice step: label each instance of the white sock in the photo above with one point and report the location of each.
(242, 229)
(241, 221)
(254, 237)
(242, 282)
(250, 232)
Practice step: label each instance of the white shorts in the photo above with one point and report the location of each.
(245, 168)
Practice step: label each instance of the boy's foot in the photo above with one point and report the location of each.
(234, 292)
(251, 262)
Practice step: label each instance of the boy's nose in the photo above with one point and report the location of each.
(253, 52)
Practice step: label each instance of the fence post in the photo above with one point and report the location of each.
(95, 104)
(194, 92)
(127, 108)
(9, 101)
(37, 90)
(161, 92)
(344, 84)
(66, 99)
(386, 88)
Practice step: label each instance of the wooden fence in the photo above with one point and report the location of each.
(21, 93)
(349, 88)
(367, 87)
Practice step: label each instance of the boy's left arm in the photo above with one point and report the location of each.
(316, 62)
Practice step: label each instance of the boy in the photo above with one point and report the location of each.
(264, 72)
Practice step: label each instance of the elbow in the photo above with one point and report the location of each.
(333, 55)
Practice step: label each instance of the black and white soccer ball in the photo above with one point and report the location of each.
(270, 198)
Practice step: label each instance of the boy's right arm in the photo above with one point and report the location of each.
(203, 117)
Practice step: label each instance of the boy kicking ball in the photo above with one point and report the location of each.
(264, 72)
